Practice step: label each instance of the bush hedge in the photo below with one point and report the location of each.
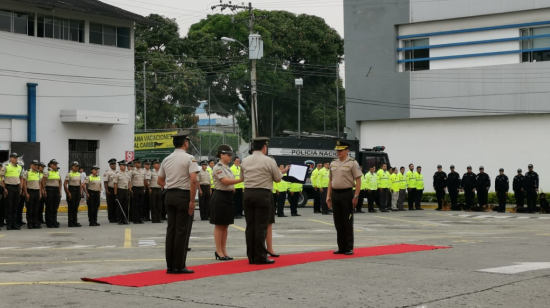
(431, 197)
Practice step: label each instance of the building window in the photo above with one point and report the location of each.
(60, 28)
(535, 43)
(417, 54)
(109, 35)
(17, 22)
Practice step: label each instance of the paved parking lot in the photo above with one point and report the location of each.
(497, 260)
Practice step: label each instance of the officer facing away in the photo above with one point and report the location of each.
(502, 185)
(531, 187)
(519, 192)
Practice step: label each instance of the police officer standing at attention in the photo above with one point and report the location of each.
(531, 187)
(108, 182)
(32, 194)
(519, 192)
(342, 199)
(419, 181)
(440, 183)
(259, 172)
(51, 181)
(453, 185)
(155, 193)
(11, 175)
(92, 188)
(372, 187)
(469, 187)
(483, 183)
(178, 175)
(384, 188)
(411, 186)
(239, 188)
(137, 181)
(316, 200)
(121, 193)
(146, 206)
(73, 186)
(205, 191)
(502, 185)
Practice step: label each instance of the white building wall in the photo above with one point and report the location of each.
(70, 75)
(508, 142)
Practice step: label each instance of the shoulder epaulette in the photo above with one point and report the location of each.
(336, 159)
(219, 164)
(352, 159)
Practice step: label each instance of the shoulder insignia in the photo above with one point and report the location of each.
(219, 171)
(219, 164)
(352, 159)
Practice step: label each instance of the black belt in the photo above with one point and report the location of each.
(177, 189)
(33, 189)
(260, 189)
(14, 185)
(224, 191)
(137, 186)
(342, 190)
(156, 187)
(74, 186)
(125, 189)
(56, 187)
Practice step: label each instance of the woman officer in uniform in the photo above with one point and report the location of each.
(221, 203)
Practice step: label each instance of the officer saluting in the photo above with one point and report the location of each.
(341, 198)
(178, 175)
(259, 172)
(502, 185)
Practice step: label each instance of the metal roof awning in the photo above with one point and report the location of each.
(94, 117)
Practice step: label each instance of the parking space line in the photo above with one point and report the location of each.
(40, 282)
(238, 228)
(410, 221)
(128, 238)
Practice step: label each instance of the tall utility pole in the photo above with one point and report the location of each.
(258, 53)
(209, 123)
(144, 99)
(338, 99)
(324, 118)
(299, 83)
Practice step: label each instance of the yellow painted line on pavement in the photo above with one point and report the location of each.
(328, 223)
(2, 235)
(238, 228)
(410, 221)
(40, 282)
(128, 238)
(102, 261)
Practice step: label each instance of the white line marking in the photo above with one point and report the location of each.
(544, 217)
(463, 215)
(523, 217)
(80, 246)
(501, 217)
(518, 268)
(6, 248)
(483, 216)
(40, 247)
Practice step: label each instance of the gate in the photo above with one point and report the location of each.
(84, 152)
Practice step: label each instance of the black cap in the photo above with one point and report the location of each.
(452, 166)
(181, 134)
(156, 161)
(53, 161)
(439, 166)
(146, 162)
(342, 145)
(75, 163)
(204, 162)
(136, 161)
(42, 164)
(95, 168)
(530, 166)
(112, 161)
(418, 167)
(469, 167)
(130, 163)
(501, 169)
(224, 149)
(519, 170)
(14, 155)
(481, 168)
(122, 163)
(34, 162)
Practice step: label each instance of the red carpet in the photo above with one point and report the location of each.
(241, 266)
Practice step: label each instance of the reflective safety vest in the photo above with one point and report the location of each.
(237, 173)
(383, 179)
(402, 181)
(394, 182)
(295, 187)
(33, 176)
(13, 171)
(94, 178)
(282, 186)
(211, 178)
(323, 178)
(314, 175)
(371, 180)
(274, 187)
(53, 175)
(419, 180)
(74, 174)
(364, 182)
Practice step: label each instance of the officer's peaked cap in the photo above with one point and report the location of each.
(452, 166)
(182, 133)
(122, 163)
(53, 161)
(341, 145)
(439, 166)
(519, 170)
(95, 168)
(501, 169)
(112, 161)
(14, 155)
(530, 166)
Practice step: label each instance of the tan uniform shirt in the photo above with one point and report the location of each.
(147, 175)
(10, 180)
(74, 179)
(260, 171)
(343, 174)
(153, 179)
(137, 177)
(203, 177)
(109, 177)
(176, 169)
(219, 172)
(94, 185)
(121, 179)
(49, 182)
(35, 185)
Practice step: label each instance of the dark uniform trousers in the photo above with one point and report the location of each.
(41, 208)
(146, 207)
(531, 195)
(519, 198)
(138, 195)
(342, 207)
(156, 204)
(19, 215)
(73, 204)
(179, 227)
(316, 201)
(122, 206)
(294, 197)
(371, 197)
(501, 196)
(204, 202)
(440, 195)
(2, 206)
(257, 211)
(12, 203)
(384, 198)
(453, 194)
(53, 198)
(362, 194)
(32, 206)
(418, 198)
(280, 201)
(238, 201)
(411, 198)
(275, 200)
(469, 197)
(323, 200)
(112, 206)
(93, 205)
(482, 196)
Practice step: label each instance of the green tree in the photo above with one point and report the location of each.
(174, 83)
(295, 46)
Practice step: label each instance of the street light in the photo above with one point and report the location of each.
(299, 84)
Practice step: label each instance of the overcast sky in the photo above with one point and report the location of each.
(188, 12)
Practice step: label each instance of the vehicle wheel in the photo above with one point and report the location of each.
(303, 199)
